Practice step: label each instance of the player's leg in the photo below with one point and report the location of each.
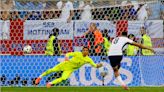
(115, 63)
(49, 71)
(65, 75)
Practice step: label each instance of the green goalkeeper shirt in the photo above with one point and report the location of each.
(78, 60)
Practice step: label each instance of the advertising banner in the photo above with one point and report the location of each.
(135, 71)
(41, 29)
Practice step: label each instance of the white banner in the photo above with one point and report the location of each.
(4, 30)
(82, 26)
(40, 29)
(154, 28)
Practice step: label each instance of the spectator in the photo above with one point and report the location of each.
(162, 10)
(154, 8)
(44, 4)
(106, 42)
(59, 4)
(95, 39)
(67, 10)
(15, 15)
(5, 16)
(128, 11)
(146, 40)
(76, 4)
(131, 50)
(143, 12)
(8, 5)
(49, 5)
(53, 47)
(134, 3)
(86, 13)
(112, 13)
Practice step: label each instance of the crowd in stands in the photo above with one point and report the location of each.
(81, 10)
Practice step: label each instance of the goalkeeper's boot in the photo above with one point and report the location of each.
(125, 87)
(48, 85)
(37, 80)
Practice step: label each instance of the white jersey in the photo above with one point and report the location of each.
(86, 14)
(117, 45)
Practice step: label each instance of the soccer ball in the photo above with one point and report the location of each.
(27, 49)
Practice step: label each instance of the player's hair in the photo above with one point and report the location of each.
(131, 35)
(85, 47)
(124, 33)
(93, 24)
(105, 34)
(55, 31)
(143, 27)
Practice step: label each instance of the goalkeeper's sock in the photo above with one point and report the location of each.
(120, 80)
(56, 81)
(48, 85)
(42, 75)
(45, 73)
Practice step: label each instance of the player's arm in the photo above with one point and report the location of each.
(71, 14)
(93, 64)
(69, 54)
(142, 46)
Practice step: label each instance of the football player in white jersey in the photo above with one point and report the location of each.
(115, 54)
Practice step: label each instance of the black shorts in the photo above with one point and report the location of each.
(115, 60)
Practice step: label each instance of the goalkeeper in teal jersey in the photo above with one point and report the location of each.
(69, 65)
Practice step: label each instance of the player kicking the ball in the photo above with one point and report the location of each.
(69, 65)
(115, 54)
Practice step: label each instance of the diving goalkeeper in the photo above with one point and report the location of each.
(68, 66)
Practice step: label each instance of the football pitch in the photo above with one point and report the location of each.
(81, 89)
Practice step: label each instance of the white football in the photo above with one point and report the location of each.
(27, 49)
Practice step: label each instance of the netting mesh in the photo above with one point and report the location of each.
(33, 25)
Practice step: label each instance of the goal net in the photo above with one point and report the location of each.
(33, 25)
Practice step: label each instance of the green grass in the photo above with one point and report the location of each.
(81, 89)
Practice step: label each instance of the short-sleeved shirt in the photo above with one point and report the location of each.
(117, 45)
(86, 14)
(79, 60)
(66, 10)
(142, 13)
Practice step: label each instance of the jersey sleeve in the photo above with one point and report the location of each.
(91, 62)
(129, 40)
(71, 54)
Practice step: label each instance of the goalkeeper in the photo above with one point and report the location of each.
(68, 66)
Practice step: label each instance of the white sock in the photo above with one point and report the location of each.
(120, 80)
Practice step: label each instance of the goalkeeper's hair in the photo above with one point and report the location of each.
(85, 47)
